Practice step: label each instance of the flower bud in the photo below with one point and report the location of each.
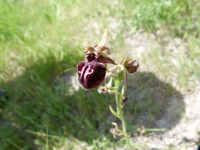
(131, 65)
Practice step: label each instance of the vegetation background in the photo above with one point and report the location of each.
(41, 39)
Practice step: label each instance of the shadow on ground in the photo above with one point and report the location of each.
(153, 103)
(36, 104)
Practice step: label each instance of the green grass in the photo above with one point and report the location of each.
(39, 40)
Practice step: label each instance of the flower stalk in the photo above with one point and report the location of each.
(119, 105)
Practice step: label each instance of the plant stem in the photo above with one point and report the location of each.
(118, 98)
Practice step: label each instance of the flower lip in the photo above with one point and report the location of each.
(91, 74)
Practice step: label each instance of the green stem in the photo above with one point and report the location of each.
(118, 97)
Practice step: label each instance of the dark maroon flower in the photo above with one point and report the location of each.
(92, 72)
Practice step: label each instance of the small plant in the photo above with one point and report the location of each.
(93, 71)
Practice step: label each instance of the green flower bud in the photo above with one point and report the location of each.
(131, 65)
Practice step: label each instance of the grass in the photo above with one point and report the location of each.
(39, 40)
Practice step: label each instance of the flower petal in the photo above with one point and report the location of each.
(105, 59)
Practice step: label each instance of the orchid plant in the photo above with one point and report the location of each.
(93, 71)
